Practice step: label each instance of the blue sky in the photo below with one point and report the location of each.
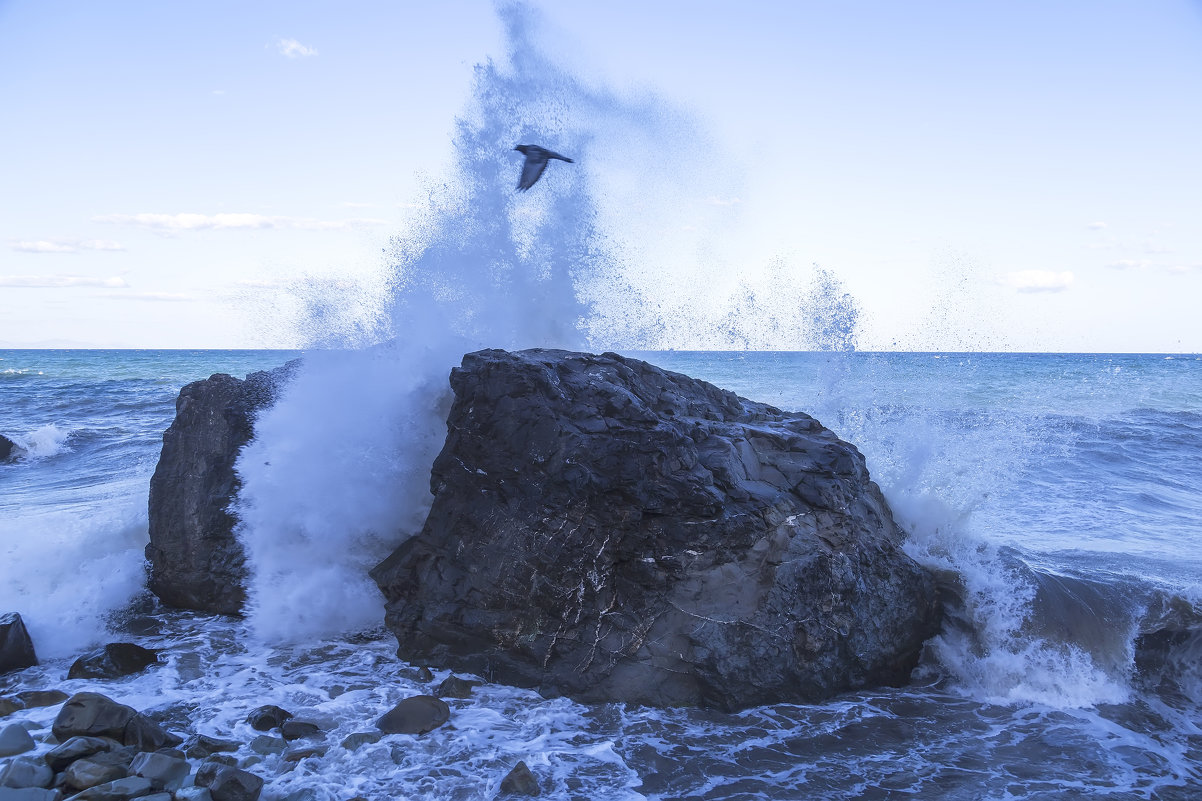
(987, 175)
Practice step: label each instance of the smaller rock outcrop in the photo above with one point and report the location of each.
(416, 715)
(268, 717)
(9, 450)
(16, 648)
(520, 781)
(195, 559)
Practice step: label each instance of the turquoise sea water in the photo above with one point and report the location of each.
(1059, 497)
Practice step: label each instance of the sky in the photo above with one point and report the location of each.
(995, 175)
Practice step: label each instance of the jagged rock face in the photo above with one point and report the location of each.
(611, 531)
(195, 559)
(16, 648)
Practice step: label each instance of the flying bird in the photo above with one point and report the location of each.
(536, 161)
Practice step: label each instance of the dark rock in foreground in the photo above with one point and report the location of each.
(196, 561)
(113, 661)
(611, 531)
(16, 649)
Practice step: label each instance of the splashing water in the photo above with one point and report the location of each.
(338, 473)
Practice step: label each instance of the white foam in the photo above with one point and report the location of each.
(338, 473)
(65, 570)
(45, 441)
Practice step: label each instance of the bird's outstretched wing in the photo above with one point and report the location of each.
(531, 170)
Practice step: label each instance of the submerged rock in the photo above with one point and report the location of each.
(611, 531)
(113, 661)
(299, 729)
(520, 781)
(196, 561)
(16, 648)
(416, 715)
(268, 717)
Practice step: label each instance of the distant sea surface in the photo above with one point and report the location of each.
(1058, 497)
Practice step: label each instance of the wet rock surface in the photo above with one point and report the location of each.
(196, 561)
(16, 648)
(611, 531)
(419, 714)
(113, 661)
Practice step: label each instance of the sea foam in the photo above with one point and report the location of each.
(338, 473)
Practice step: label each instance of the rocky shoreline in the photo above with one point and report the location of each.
(99, 749)
(600, 529)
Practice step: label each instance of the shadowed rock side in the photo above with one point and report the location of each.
(611, 531)
(196, 561)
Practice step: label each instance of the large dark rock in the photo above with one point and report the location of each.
(112, 661)
(16, 649)
(196, 561)
(611, 531)
(92, 715)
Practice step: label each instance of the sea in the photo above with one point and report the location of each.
(1057, 497)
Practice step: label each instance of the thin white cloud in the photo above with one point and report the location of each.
(252, 283)
(1037, 280)
(161, 297)
(1097, 226)
(63, 245)
(293, 49)
(210, 222)
(714, 200)
(59, 281)
(42, 246)
(1130, 264)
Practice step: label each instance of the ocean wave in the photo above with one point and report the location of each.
(45, 441)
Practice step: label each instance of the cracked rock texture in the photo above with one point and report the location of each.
(611, 531)
(195, 559)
